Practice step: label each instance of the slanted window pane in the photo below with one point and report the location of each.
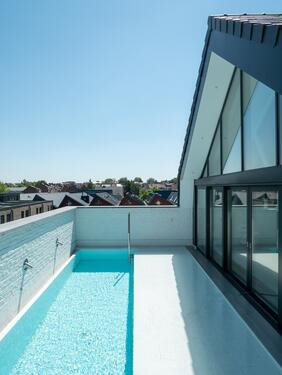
(233, 163)
(214, 158)
(205, 174)
(231, 122)
(259, 124)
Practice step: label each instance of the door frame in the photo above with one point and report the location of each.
(248, 286)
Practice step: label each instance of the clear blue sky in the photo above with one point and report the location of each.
(95, 89)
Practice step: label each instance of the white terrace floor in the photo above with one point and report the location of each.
(184, 325)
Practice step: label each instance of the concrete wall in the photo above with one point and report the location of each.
(150, 226)
(33, 238)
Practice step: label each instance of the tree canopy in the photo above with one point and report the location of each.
(109, 181)
(3, 187)
(137, 179)
(151, 180)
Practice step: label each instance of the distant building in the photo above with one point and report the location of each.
(131, 200)
(17, 189)
(114, 189)
(157, 200)
(31, 189)
(173, 197)
(165, 193)
(9, 196)
(104, 199)
(60, 199)
(43, 188)
(14, 210)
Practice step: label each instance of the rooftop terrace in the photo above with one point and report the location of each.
(182, 320)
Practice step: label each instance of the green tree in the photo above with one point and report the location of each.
(123, 180)
(137, 179)
(151, 180)
(90, 184)
(38, 183)
(143, 194)
(3, 187)
(131, 187)
(109, 181)
(173, 180)
(25, 182)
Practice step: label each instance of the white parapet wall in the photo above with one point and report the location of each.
(33, 238)
(150, 226)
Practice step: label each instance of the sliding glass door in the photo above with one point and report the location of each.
(252, 233)
(216, 225)
(201, 219)
(264, 242)
(238, 228)
(237, 233)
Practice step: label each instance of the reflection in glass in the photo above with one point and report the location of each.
(233, 163)
(265, 246)
(238, 233)
(280, 126)
(201, 219)
(231, 124)
(259, 124)
(214, 158)
(216, 226)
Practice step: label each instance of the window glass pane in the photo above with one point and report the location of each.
(216, 225)
(233, 163)
(214, 158)
(265, 246)
(259, 124)
(231, 123)
(249, 85)
(205, 174)
(237, 229)
(201, 219)
(280, 126)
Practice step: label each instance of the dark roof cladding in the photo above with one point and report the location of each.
(108, 198)
(255, 27)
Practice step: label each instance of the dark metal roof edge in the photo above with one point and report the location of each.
(195, 98)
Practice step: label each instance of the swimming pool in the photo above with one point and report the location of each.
(81, 324)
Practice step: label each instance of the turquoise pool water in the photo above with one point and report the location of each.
(82, 324)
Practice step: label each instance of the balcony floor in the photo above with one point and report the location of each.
(183, 324)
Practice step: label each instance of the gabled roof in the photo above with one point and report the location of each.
(108, 198)
(133, 198)
(77, 198)
(173, 197)
(57, 198)
(157, 198)
(252, 42)
(92, 192)
(165, 193)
